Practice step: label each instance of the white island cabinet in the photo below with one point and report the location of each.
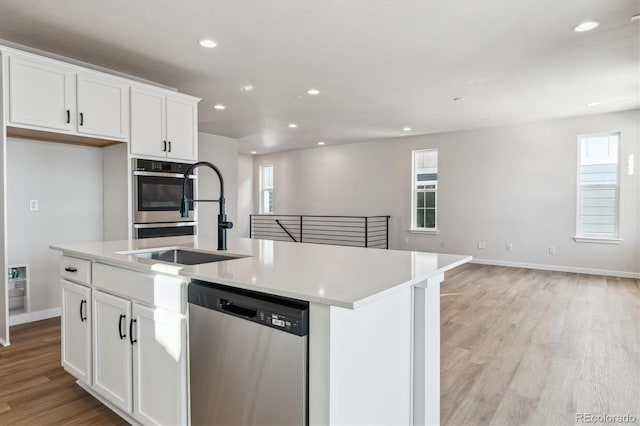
(124, 339)
(374, 325)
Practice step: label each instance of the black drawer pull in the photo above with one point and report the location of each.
(122, 336)
(71, 269)
(68, 116)
(81, 119)
(164, 148)
(169, 146)
(131, 331)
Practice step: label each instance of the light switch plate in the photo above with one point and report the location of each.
(33, 205)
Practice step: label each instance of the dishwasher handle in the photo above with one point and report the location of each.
(228, 306)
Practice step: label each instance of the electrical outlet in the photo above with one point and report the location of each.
(509, 246)
(33, 205)
(482, 245)
(552, 250)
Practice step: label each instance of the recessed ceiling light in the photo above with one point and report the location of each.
(586, 26)
(247, 88)
(636, 17)
(321, 143)
(219, 106)
(459, 98)
(407, 129)
(590, 104)
(253, 152)
(293, 125)
(207, 43)
(313, 91)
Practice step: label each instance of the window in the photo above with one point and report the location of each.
(598, 192)
(266, 189)
(424, 183)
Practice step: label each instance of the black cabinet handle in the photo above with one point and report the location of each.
(169, 146)
(68, 116)
(81, 119)
(71, 269)
(131, 339)
(122, 336)
(82, 317)
(164, 148)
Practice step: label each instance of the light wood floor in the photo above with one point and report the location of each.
(518, 347)
(521, 346)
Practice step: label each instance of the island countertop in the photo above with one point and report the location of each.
(347, 277)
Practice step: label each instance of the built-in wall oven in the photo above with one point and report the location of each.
(157, 191)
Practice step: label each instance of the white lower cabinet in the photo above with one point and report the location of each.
(112, 369)
(140, 364)
(76, 330)
(159, 366)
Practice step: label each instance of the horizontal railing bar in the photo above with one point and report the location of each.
(313, 215)
(345, 231)
(316, 237)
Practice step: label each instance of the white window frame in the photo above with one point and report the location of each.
(264, 189)
(597, 238)
(414, 191)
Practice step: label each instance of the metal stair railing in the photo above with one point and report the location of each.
(357, 231)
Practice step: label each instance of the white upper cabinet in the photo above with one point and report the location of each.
(163, 124)
(102, 107)
(41, 94)
(181, 125)
(147, 122)
(47, 95)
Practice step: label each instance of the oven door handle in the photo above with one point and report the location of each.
(162, 174)
(163, 225)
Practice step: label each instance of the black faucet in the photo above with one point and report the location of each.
(223, 224)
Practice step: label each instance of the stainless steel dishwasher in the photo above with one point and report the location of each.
(248, 357)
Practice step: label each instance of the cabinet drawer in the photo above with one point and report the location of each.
(159, 290)
(75, 269)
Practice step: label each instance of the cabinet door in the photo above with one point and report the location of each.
(159, 366)
(147, 122)
(112, 349)
(181, 124)
(76, 330)
(40, 94)
(102, 107)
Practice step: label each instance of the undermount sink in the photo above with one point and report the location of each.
(182, 256)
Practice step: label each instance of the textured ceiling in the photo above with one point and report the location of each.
(379, 65)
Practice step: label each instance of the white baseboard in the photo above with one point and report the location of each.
(559, 268)
(34, 316)
(3, 342)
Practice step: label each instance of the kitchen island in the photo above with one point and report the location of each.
(374, 323)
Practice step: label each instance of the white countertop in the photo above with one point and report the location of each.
(348, 277)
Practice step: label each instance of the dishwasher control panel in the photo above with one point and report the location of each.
(278, 320)
(285, 314)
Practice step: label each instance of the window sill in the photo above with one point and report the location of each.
(424, 231)
(597, 240)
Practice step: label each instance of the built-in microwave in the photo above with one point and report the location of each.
(157, 191)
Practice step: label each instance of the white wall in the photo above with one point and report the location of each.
(245, 194)
(67, 182)
(501, 185)
(222, 152)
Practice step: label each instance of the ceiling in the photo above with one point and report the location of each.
(379, 65)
